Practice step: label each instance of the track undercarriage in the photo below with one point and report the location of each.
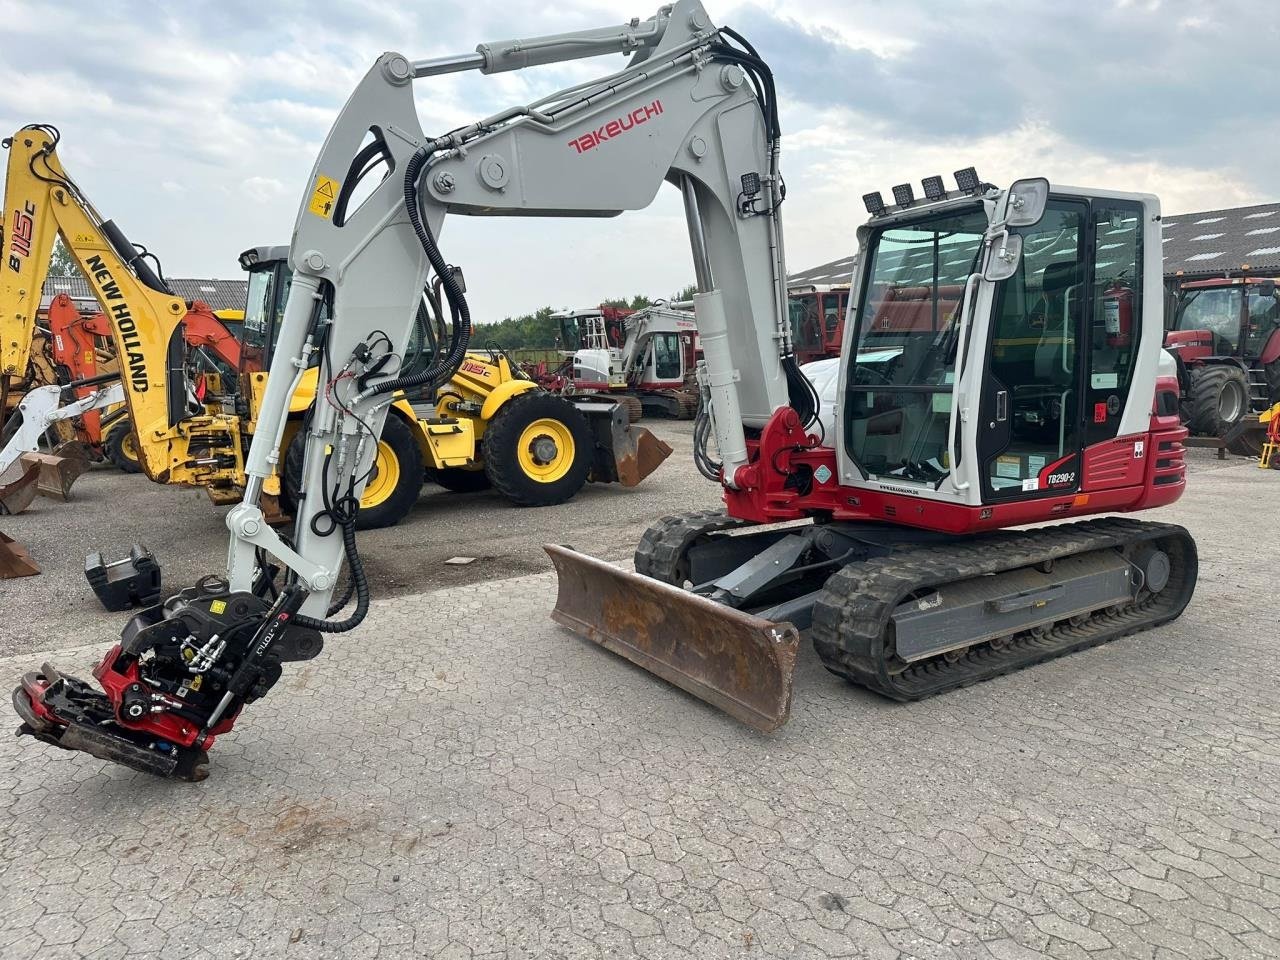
(905, 613)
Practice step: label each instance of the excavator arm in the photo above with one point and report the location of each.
(693, 107)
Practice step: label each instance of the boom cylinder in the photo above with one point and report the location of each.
(722, 378)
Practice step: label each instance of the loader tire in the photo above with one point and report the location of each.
(121, 447)
(1219, 396)
(538, 449)
(393, 488)
(460, 479)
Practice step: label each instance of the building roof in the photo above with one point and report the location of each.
(837, 271)
(1214, 242)
(218, 294)
(1204, 244)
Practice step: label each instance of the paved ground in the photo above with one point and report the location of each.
(112, 510)
(460, 778)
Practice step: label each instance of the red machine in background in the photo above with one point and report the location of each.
(1225, 336)
(80, 345)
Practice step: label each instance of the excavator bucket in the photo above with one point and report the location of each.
(18, 487)
(56, 474)
(735, 661)
(14, 560)
(624, 453)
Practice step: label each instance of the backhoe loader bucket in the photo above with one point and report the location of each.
(56, 473)
(735, 661)
(624, 453)
(14, 560)
(18, 487)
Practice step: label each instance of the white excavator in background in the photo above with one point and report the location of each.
(644, 358)
(1026, 388)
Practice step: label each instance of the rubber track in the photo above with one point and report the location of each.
(664, 546)
(852, 632)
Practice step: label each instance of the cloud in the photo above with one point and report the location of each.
(195, 126)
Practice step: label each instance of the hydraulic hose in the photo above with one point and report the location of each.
(442, 368)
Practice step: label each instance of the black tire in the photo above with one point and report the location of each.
(502, 454)
(1219, 397)
(460, 479)
(121, 447)
(1273, 381)
(392, 508)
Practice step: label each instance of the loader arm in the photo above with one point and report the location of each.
(41, 202)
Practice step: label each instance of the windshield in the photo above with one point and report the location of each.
(806, 334)
(1264, 319)
(1216, 309)
(570, 341)
(899, 392)
(257, 320)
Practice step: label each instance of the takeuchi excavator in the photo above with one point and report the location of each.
(1029, 390)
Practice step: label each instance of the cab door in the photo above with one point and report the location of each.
(1061, 353)
(1029, 427)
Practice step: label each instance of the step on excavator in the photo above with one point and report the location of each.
(1002, 404)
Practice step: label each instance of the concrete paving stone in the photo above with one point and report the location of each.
(513, 791)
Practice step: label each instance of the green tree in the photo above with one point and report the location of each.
(61, 263)
(685, 294)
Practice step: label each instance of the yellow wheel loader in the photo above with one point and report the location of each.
(488, 426)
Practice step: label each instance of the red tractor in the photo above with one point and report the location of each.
(817, 319)
(1225, 336)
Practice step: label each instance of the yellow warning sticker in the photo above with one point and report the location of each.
(323, 196)
(217, 606)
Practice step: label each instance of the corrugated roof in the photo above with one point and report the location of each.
(1214, 242)
(219, 294)
(1207, 243)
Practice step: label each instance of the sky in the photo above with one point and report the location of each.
(194, 125)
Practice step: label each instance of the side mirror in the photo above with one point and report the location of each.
(1006, 254)
(1027, 200)
(1267, 288)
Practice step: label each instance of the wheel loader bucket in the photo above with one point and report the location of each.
(624, 453)
(18, 487)
(14, 560)
(57, 473)
(735, 661)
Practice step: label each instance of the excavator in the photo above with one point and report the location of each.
(1012, 398)
(643, 357)
(76, 368)
(493, 425)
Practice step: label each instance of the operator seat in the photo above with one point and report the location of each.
(1060, 302)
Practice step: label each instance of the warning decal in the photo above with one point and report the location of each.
(323, 196)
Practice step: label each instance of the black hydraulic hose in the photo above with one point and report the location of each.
(442, 368)
(344, 514)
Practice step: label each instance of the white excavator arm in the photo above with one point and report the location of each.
(685, 110)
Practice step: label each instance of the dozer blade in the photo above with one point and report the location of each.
(732, 660)
(625, 453)
(57, 474)
(14, 560)
(18, 487)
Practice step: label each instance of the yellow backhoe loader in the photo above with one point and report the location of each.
(486, 425)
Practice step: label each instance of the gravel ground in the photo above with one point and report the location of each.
(112, 510)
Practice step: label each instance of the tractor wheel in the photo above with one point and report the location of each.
(1219, 397)
(121, 447)
(460, 479)
(538, 449)
(1273, 381)
(393, 486)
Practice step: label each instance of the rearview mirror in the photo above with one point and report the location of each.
(1267, 288)
(1006, 254)
(1027, 200)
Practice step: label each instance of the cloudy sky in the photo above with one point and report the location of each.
(194, 125)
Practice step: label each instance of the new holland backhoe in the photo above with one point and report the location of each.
(487, 425)
(1003, 402)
